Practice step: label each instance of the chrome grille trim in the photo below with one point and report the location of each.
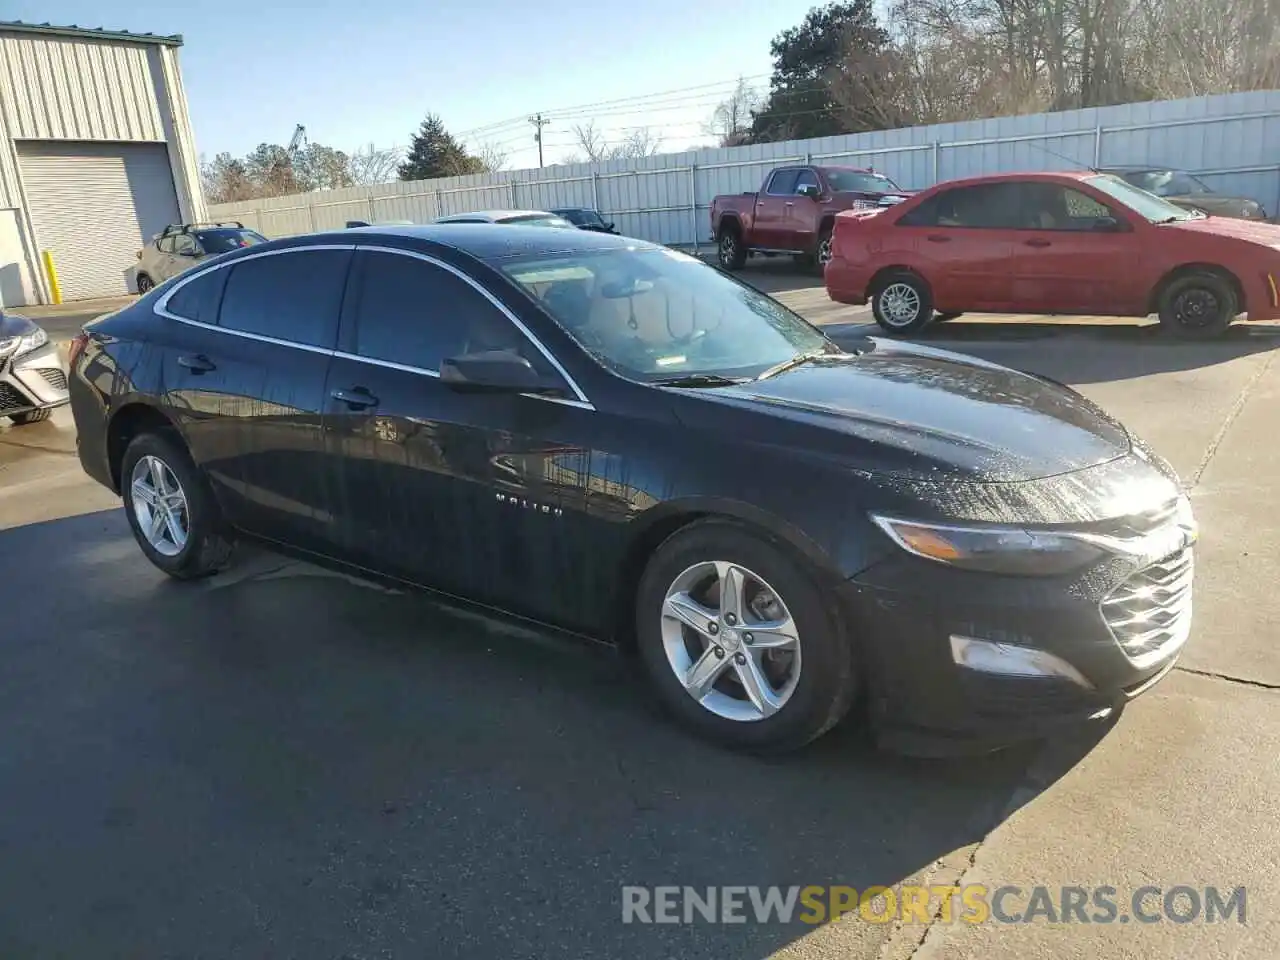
(54, 377)
(1149, 614)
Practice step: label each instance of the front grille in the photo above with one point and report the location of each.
(1150, 613)
(11, 398)
(54, 377)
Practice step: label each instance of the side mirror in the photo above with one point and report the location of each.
(810, 190)
(494, 371)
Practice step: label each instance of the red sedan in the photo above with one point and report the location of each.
(1054, 243)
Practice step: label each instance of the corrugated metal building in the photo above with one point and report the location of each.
(96, 156)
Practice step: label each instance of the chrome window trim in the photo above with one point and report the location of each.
(162, 309)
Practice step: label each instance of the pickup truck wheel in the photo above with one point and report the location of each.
(1198, 305)
(902, 303)
(732, 252)
(824, 248)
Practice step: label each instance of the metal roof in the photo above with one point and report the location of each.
(92, 33)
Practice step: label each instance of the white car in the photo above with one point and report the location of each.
(180, 246)
(32, 379)
(526, 218)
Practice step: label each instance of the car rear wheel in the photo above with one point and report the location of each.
(902, 303)
(31, 416)
(1198, 305)
(144, 283)
(738, 642)
(730, 250)
(171, 509)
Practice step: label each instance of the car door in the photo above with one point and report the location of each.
(249, 387)
(772, 225)
(963, 246)
(160, 260)
(464, 492)
(803, 214)
(1075, 255)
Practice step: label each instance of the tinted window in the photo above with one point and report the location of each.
(198, 299)
(291, 296)
(184, 243)
(573, 216)
(807, 178)
(783, 181)
(1167, 183)
(987, 205)
(226, 239)
(413, 312)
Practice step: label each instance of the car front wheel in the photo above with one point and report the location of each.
(31, 416)
(171, 510)
(1198, 305)
(736, 639)
(145, 284)
(902, 303)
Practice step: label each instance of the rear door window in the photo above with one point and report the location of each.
(294, 296)
(198, 299)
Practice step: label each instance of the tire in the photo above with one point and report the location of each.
(893, 297)
(207, 546)
(806, 702)
(1198, 306)
(729, 248)
(944, 317)
(31, 416)
(822, 252)
(145, 284)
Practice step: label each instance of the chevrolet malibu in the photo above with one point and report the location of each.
(618, 441)
(1054, 243)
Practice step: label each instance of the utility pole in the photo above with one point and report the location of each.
(538, 123)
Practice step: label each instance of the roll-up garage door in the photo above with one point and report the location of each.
(94, 205)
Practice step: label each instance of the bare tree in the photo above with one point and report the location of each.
(590, 142)
(731, 120)
(372, 165)
(639, 142)
(491, 155)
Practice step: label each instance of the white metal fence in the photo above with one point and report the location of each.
(1231, 141)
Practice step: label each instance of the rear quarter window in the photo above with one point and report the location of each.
(198, 299)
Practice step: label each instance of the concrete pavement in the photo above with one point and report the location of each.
(280, 762)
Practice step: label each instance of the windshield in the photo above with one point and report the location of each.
(582, 218)
(1167, 183)
(656, 314)
(538, 220)
(225, 239)
(855, 181)
(1145, 204)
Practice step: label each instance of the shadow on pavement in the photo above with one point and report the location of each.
(304, 766)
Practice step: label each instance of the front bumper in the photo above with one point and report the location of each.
(32, 381)
(1120, 627)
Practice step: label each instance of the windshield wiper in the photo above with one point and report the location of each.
(795, 361)
(700, 380)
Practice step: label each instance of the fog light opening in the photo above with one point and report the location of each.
(1004, 659)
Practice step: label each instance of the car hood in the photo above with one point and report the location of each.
(933, 415)
(1254, 231)
(1215, 203)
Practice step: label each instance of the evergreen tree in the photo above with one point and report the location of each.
(434, 152)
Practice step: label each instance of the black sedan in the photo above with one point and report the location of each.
(616, 440)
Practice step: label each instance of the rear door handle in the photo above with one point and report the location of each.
(938, 238)
(197, 364)
(790, 203)
(357, 398)
(1037, 242)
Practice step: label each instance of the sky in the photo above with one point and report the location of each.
(367, 73)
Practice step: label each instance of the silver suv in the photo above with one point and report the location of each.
(181, 246)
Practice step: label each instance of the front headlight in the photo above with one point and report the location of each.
(1007, 550)
(17, 346)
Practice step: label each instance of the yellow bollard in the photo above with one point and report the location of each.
(52, 274)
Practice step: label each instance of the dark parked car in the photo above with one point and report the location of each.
(585, 218)
(619, 441)
(1190, 192)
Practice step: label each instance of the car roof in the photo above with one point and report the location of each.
(511, 241)
(1050, 176)
(495, 215)
(1140, 169)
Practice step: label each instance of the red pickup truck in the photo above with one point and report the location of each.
(794, 212)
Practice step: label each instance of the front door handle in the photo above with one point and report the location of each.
(790, 203)
(1037, 242)
(938, 238)
(198, 363)
(357, 398)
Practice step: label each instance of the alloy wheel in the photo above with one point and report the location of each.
(899, 304)
(160, 506)
(731, 641)
(824, 251)
(144, 285)
(728, 248)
